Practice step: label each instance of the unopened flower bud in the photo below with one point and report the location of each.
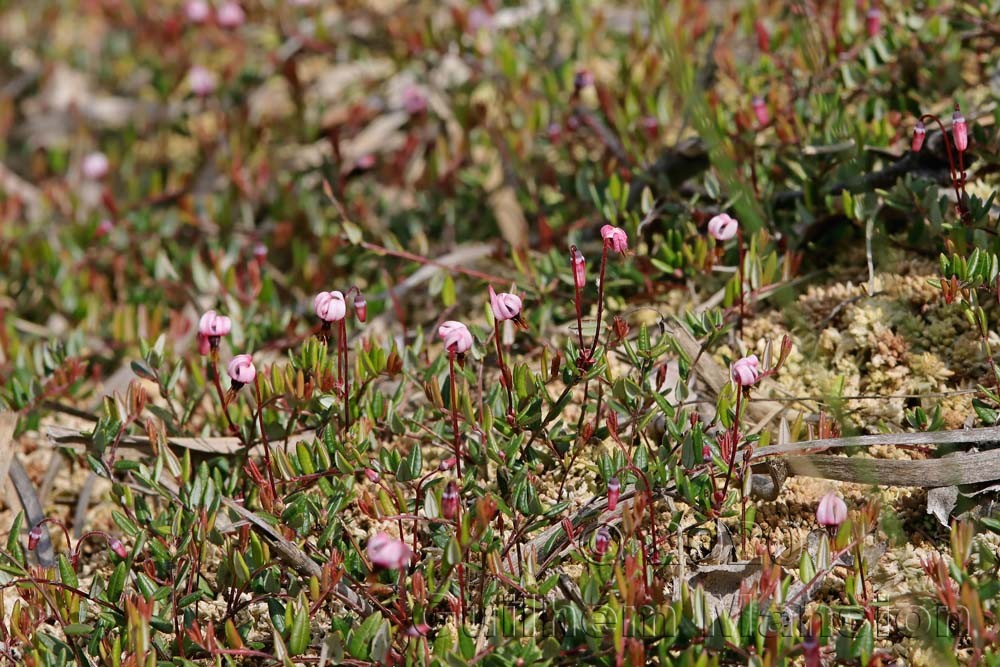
(118, 548)
(614, 490)
(579, 267)
(34, 535)
(919, 132)
(449, 500)
(959, 130)
(602, 540)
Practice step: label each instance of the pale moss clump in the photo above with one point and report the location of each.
(901, 343)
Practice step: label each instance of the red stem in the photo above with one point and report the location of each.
(456, 445)
(600, 296)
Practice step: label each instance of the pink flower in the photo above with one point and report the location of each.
(449, 500)
(831, 511)
(230, 15)
(602, 540)
(385, 551)
(204, 345)
(414, 100)
(919, 132)
(201, 81)
(360, 307)
(579, 267)
(34, 535)
(873, 22)
(118, 548)
(760, 110)
(241, 370)
(330, 306)
(213, 325)
(95, 166)
(746, 371)
(582, 79)
(260, 252)
(104, 228)
(456, 337)
(615, 238)
(197, 11)
(372, 475)
(959, 130)
(614, 490)
(723, 227)
(505, 306)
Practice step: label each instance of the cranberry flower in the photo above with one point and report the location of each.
(602, 540)
(230, 15)
(615, 238)
(746, 371)
(723, 227)
(919, 132)
(506, 306)
(449, 500)
(614, 490)
(831, 511)
(760, 110)
(361, 307)
(385, 551)
(456, 337)
(197, 11)
(330, 306)
(211, 328)
(579, 267)
(873, 22)
(95, 166)
(202, 81)
(959, 130)
(241, 370)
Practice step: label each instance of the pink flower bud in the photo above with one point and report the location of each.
(582, 79)
(505, 305)
(260, 252)
(118, 548)
(34, 535)
(104, 228)
(760, 110)
(361, 307)
(414, 100)
(95, 166)
(602, 540)
(230, 15)
(746, 371)
(214, 325)
(554, 132)
(204, 345)
(241, 370)
(723, 227)
(449, 500)
(197, 11)
(330, 306)
(959, 130)
(614, 490)
(372, 475)
(456, 337)
(418, 630)
(579, 267)
(873, 22)
(831, 511)
(202, 81)
(447, 464)
(763, 37)
(615, 238)
(919, 132)
(385, 551)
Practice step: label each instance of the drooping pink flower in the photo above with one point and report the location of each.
(456, 337)
(615, 238)
(614, 490)
(372, 475)
(104, 228)
(197, 11)
(360, 307)
(230, 15)
(873, 22)
(34, 535)
(214, 325)
(831, 511)
(760, 110)
(579, 267)
(602, 540)
(330, 306)
(118, 548)
(723, 227)
(505, 306)
(95, 166)
(746, 371)
(919, 132)
(449, 500)
(959, 130)
(204, 345)
(388, 552)
(241, 370)
(260, 251)
(202, 81)
(414, 100)
(582, 79)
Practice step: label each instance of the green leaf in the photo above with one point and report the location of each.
(298, 636)
(410, 467)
